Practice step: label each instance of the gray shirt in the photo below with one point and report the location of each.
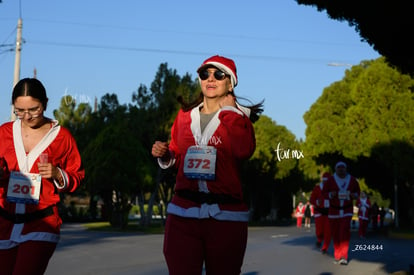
(205, 119)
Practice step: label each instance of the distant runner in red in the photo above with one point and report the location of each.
(321, 209)
(299, 214)
(364, 211)
(341, 189)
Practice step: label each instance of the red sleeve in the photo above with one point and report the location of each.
(70, 161)
(173, 146)
(314, 195)
(241, 132)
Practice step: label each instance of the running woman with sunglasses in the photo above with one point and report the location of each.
(207, 218)
(38, 160)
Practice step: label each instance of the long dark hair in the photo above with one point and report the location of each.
(30, 87)
(255, 109)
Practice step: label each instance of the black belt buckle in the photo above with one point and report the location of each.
(19, 218)
(206, 198)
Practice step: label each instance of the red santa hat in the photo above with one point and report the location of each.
(325, 176)
(224, 64)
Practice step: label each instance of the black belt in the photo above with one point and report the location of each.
(27, 217)
(342, 207)
(209, 198)
(323, 211)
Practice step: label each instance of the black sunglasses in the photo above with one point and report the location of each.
(219, 75)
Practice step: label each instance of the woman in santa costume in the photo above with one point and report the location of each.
(207, 218)
(39, 159)
(364, 206)
(321, 209)
(341, 189)
(299, 214)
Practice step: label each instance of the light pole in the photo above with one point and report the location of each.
(17, 57)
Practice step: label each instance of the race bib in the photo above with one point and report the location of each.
(343, 195)
(24, 188)
(200, 162)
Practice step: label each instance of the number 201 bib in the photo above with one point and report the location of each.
(24, 188)
(200, 162)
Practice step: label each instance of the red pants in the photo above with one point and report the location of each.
(323, 231)
(341, 235)
(299, 222)
(363, 225)
(220, 245)
(31, 257)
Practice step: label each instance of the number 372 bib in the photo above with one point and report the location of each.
(200, 162)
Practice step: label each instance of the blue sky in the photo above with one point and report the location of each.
(283, 51)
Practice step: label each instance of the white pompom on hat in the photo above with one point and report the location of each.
(224, 64)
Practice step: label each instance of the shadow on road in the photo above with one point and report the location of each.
(393, 254)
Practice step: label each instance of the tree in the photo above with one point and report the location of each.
(75, 117)
(159, 106)
(71, 115)
(385, 25)
(116, 161)
(115, 142)
(367, 118)
(371, 105)
(267, 173)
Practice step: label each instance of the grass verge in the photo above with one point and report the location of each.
(407, 234)
(132, 227)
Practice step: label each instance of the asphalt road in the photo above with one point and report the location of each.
(270, 250)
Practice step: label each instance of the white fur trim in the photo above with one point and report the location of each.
(245, 110)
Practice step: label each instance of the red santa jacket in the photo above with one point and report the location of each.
(300, 210)
(231, 133)
(364, 206)
(341, 192)
(63, 153)
(320, 204)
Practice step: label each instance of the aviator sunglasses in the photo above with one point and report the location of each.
(219, 75)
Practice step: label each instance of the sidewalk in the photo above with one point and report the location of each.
(270, 250)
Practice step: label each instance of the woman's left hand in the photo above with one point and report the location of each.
(47, 170)
(228, 100)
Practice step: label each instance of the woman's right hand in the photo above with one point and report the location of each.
(160, 149)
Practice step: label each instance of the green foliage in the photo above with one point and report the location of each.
(135, 209)
(367, 119)
(374, 195)
(269, 138)
(71, 115)
(160, 101)
(369, 106)
(271, 174)
(155, 228)
(115, 141)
